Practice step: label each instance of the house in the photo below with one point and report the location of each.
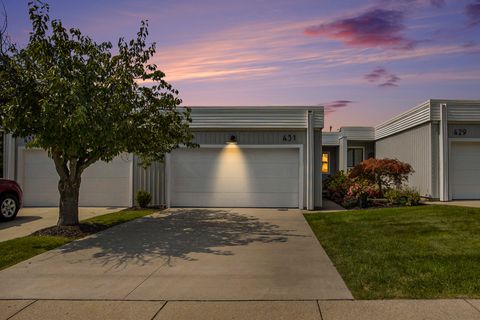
(272, 157)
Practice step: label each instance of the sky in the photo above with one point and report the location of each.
(365, 61)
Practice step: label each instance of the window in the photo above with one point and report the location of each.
(325, 162)
(355, 156)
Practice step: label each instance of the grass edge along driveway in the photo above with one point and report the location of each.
(19, 249)
(424, 252)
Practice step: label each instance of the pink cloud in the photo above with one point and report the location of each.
(333, 106)
(380, 74)
(374, 28)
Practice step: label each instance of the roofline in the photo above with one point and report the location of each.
(263, 107)
(403, 114)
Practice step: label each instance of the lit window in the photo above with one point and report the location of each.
(355, 156)
(325, 162)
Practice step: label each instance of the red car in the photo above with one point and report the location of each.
(10, 199)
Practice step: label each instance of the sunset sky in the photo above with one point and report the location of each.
(365, 61)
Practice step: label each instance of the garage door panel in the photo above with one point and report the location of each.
(103, 184)
(237, 177)
(465, 170)
(222, 185)
(235, 199)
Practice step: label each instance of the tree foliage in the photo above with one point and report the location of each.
(383, 172)
(84, 101)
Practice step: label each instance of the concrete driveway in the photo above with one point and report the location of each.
(32, 219)
(186, 254)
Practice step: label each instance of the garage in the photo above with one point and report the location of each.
(233, 176)
(465, 170)
(103, 184)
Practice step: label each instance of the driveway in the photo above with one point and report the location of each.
(186, 254)
(32, 219)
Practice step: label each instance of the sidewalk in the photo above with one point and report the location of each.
(251, 310)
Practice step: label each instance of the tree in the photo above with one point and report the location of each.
(383, 172)
(83, 101)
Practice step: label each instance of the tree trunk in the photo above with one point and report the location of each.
(69, 190)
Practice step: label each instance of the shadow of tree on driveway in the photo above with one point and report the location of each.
(177, 234)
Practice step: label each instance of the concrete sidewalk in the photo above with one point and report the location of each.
(249, 310)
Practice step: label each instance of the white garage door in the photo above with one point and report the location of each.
(234, 177)
(465, 170)
(103, 184)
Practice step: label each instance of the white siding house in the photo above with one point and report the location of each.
(273, 157)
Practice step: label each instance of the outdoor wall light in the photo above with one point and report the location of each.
(232, 140)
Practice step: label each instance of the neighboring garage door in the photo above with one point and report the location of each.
(103, 184)
(235, 177)
(465, 170)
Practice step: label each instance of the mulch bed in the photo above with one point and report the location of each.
(80, 231)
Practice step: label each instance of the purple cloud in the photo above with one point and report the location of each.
(383, 77)
(473, 13)
(333, 106)
(437, 3)
(374, 28)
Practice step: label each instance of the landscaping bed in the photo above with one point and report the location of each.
(20, 249)
(423, 252)
(373, 183)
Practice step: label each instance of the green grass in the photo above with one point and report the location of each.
(419, 252)
(20, 249)
(114, 218)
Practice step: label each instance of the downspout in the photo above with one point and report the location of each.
(310, 161)
(343, 151)
(9, 157)
(444, 166)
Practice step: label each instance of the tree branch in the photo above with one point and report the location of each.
(61, 166)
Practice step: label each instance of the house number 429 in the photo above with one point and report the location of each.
(289, 138)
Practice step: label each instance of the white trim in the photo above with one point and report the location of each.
(342, 153)
(444, 154)
(168, 166)
(131, 179)
(21, 164)
(168, 179)
(310, 162)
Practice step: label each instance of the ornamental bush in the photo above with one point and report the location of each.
(143, 198)
(337, 186)
(385, 173)
(403, 197)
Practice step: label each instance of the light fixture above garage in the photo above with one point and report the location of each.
(232, 140)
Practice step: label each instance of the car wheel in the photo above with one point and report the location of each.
(8, 207)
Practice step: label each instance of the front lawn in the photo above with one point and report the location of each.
(416, 252)
(20, 249)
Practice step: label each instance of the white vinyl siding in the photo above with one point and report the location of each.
(413, 146)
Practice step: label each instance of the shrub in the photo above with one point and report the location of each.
(383, 172)
(337, 186)
(143, 198)
(349, 202)
(403, 197)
